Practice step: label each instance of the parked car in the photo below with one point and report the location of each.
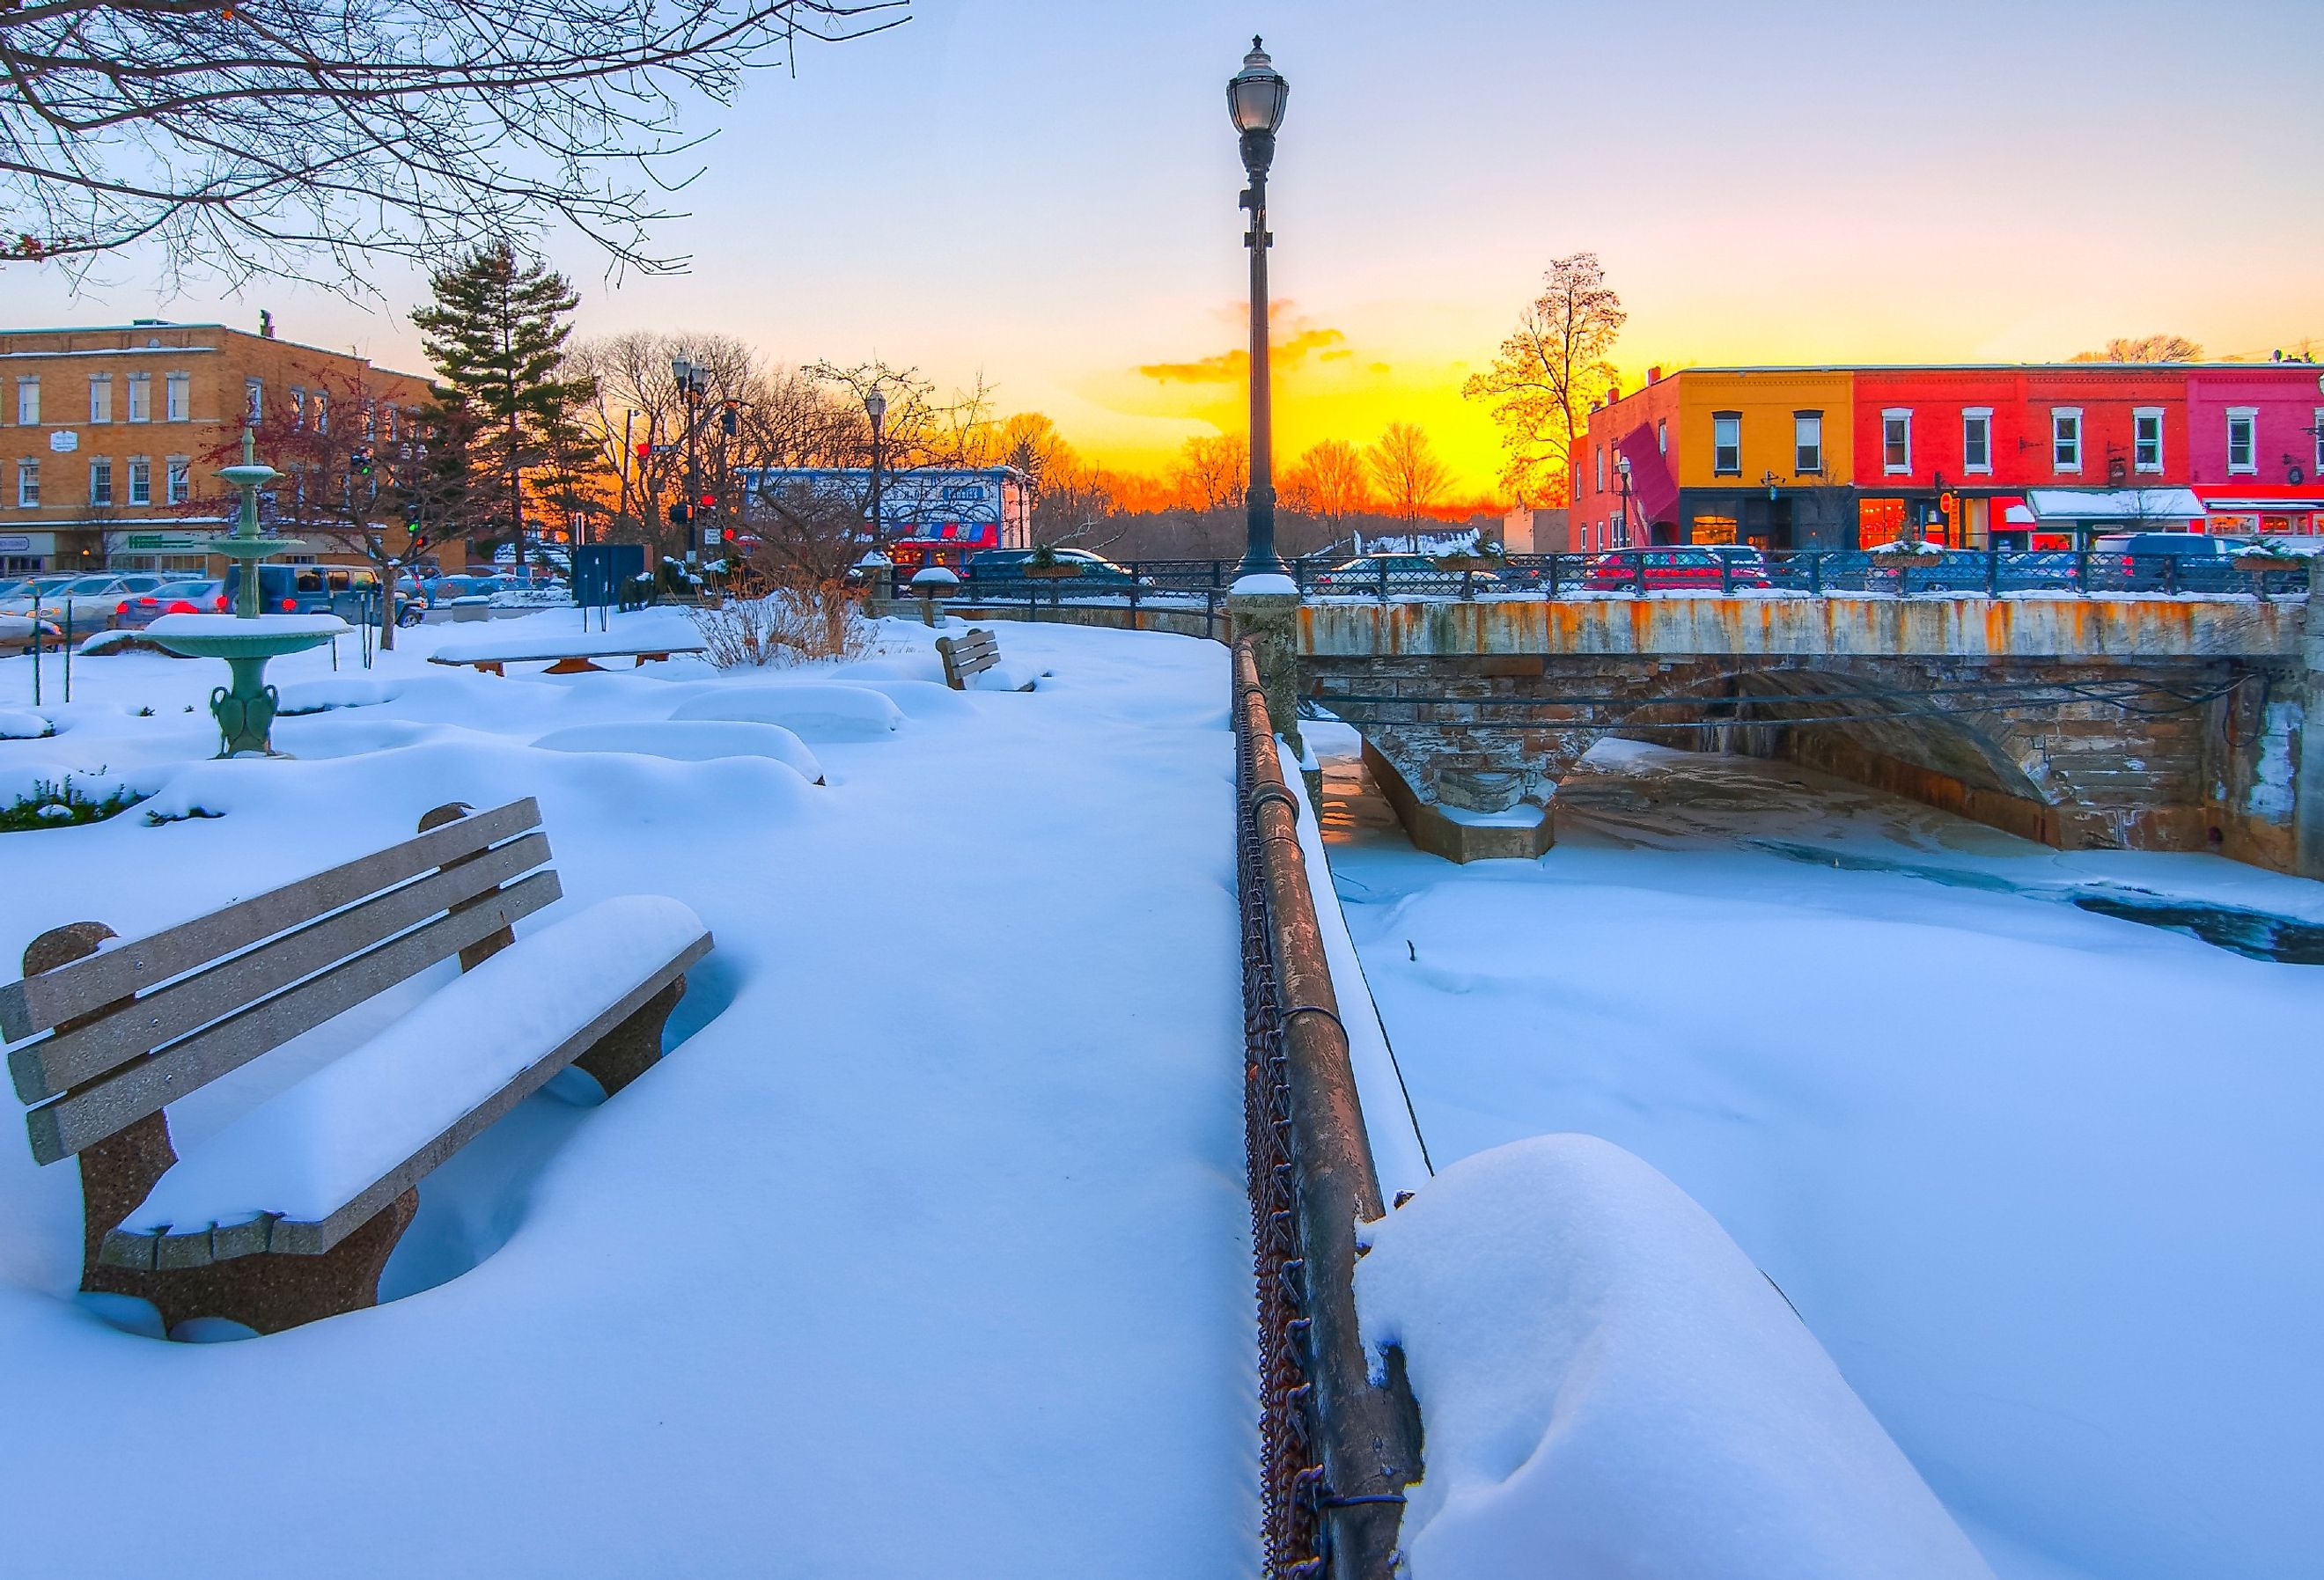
(2187, 562)
(1695, 567)
(350, 592)
(86, 603)
(1403, 573)
(1010, 565)
(203, 596)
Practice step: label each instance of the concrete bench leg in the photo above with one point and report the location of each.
(270, 1291)
(631, 1047)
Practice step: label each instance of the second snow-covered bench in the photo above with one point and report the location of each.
(289, 1212)
(570, 652)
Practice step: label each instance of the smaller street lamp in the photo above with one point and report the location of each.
(1256, 97)
(693, 382)
(875, 407)
(1622, 468)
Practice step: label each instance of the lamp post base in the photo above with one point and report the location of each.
(1271, 620)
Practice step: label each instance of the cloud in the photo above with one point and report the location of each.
(1235, 366)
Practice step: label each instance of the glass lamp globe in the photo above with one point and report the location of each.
(1256, 94)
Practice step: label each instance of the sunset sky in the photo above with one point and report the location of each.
(1045, 191)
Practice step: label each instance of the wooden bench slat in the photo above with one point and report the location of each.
(54, 1066)
(69, 1125)
(39, 1002)
(203, 1246)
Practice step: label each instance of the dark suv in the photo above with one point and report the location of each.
(2185, 562)
(350, 592)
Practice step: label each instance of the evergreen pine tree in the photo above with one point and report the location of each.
(496, 335)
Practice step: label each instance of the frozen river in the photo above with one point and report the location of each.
(2045, 1180)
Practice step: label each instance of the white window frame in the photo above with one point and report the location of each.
(1806, 422)
(28, 400)
(254, 399)
(2317, 471)
(298, 409)
(141, 397)
(178, 477)
(141, 480)
(1731, 422)
(2249, 417)
(322, 413)
(178, 396)
(1662, 434)
(100, 397)
(1982, 418)
(100, 480)
(1889, 468)
(28, 483)
(1598, 461)
(2139, 418)
(2059, 416)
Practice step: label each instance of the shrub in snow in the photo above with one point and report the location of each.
(59, 803)
(790, 626)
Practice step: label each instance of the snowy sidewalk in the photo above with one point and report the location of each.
(926, 1253)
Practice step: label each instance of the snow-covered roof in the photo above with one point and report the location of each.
(2115, 504)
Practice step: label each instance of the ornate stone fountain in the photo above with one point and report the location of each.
(245, 709)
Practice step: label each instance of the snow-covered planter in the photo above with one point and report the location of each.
(2261, 558)
(1901, 554)
(1046, 565)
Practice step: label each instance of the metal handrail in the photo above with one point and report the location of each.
(1336, 1451)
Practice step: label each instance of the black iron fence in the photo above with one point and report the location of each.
(1701, 569)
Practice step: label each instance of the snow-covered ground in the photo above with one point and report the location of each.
(923, 1253)
(2045, 1183)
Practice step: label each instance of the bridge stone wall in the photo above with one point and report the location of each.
(1883, 691)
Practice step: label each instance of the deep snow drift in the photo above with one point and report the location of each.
(2045, 1183)
(923, 1253)
(1611, 1388)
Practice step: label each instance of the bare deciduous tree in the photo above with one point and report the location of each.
(2146, 348)
(1405, 466)
(256, 137)
(1546, 374)
(1214, 471)
(1329, 482)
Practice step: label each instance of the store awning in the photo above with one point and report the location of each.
(2113, 504)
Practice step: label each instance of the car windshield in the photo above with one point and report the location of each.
(91, 583)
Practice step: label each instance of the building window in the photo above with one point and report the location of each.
(28, 484)
(28, 400)
(1598, 455)
(254, 399)
(2317, 471)
(322, 413)
(2146, 439)
(1662, 434)
(181, 479)
(100, 397)
(180, 396)
(141, 480)
(1896, 440)
(2243, 438)
(100, 480)
(298, 407)
(2066, 438)
(1807, 442)
(1976, 439)
(1727, 444)
(141, 397)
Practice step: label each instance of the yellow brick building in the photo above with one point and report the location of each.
(109, 435)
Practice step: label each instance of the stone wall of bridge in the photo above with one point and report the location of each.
(2179, 726)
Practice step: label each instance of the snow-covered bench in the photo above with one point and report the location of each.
(970, 656)
(289, 1212)
(565, 655)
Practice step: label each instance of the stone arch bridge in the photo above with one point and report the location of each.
(2171, 723)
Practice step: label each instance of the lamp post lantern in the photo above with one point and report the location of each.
(875, 407)
(1255, 96)
(693, 382)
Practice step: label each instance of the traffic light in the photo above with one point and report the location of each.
(419, 545)
(730, 421)
(680, 513)
(645, 449)
(365, 464)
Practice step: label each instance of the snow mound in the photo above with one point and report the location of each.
(814, 710)
(337, 691)
(16, 725)
(543, 637)
(1611, 1388)
(1271, 584)
(310, 1151)
(919, 698)
(689, 741)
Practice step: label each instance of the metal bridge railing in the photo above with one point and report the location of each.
(1336, 1452)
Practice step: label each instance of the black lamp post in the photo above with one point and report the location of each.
(1256, 96)
(693, 383)
(875, 407)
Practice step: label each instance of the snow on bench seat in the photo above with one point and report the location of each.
(664, 636)
(308, 1153)
(815, 710)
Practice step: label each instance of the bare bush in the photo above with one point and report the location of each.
(790, 626)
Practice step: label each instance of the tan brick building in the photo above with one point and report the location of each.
(109, 437)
